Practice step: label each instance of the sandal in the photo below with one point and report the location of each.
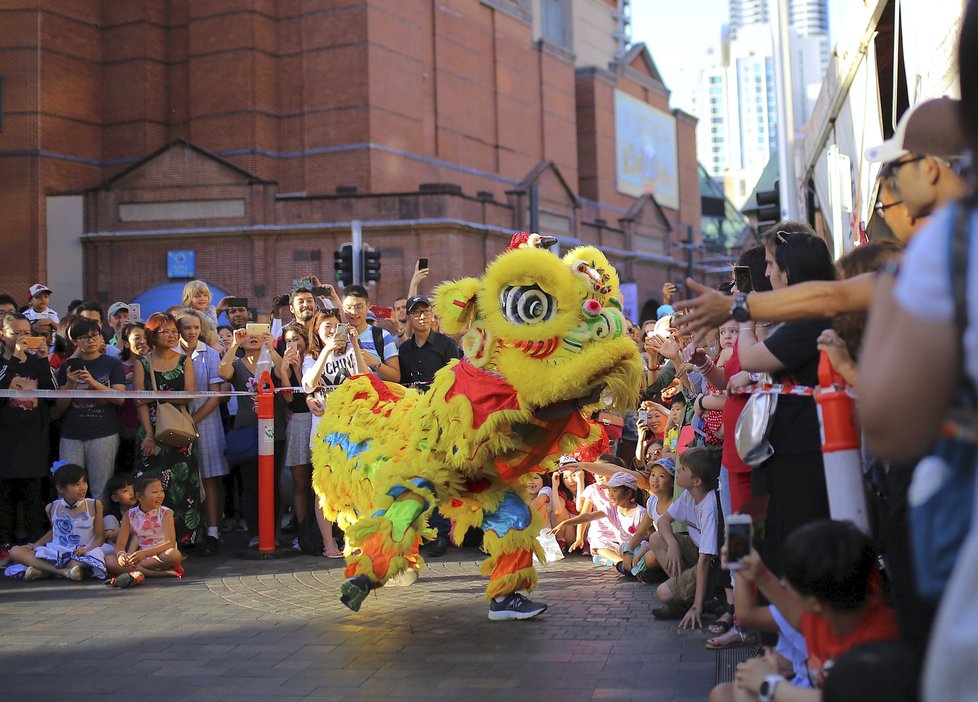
(332, 552)
(722, 625)
(732, 639)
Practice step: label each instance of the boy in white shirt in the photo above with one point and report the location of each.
(686, 557)
(40, 294)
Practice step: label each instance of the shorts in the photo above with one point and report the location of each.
(297, 440)
(684, 586)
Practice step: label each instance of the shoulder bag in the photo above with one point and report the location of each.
(754, 425)
(174, 427)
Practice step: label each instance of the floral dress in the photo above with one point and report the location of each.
(177, 467)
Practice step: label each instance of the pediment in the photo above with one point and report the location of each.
(646, 212)
(180, 164)
(551, 185)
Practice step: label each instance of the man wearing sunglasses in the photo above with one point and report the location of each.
(918, 175)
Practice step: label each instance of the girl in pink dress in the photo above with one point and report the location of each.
(156, 553)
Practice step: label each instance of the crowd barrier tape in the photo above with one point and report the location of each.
(787, 389)
(149, 394)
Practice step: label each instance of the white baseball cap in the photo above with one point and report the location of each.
(931, 128)
(38, 288)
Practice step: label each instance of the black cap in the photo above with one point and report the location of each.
(416, 300)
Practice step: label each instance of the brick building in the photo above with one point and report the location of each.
(252, 132)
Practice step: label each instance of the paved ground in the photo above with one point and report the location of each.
(275, 630)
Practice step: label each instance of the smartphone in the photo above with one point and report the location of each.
(75, 364)
(643, 416)
(237, 302)
(34, 342)
(422, 264)
(745, 283)
(305, 283)
(342, 329)
(256, 329)
(323, 301)
(135, 312)
(383, 312)
(739, 537)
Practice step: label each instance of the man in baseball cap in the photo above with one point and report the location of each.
(920, 156)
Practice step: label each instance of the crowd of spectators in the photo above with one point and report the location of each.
(827, 607)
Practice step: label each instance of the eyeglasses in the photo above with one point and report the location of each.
(420, 313)
(897, 165)
(171, 332)
(354, 308)
(90, 338)
(881, 208)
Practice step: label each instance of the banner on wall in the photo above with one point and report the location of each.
(629, 293)
(645, 149)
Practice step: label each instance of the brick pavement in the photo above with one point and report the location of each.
(275, 630)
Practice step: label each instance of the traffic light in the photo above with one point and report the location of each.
(769, 206)
(343, 264)
(371, 265)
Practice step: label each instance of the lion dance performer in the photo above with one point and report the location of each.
(545, 346)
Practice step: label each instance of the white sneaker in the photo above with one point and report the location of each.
(33, 573)
(76, 573)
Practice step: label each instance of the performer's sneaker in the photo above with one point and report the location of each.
(354, 591)
(514, 606)
(406, 577)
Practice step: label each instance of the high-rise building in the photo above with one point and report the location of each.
(737, 97)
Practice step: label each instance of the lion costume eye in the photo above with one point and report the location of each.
(526, 304)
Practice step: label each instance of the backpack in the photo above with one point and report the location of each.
(378, 335)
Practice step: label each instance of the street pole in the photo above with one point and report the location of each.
(357, 248)
(786, 116)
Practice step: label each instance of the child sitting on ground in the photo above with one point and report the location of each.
(833, 600)
(542, 496)
(119, 498)
(73, 545)
(686, 558)
(637, 555)
(619, 520)
(152, 524)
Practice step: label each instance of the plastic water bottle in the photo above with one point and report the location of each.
(264, 362)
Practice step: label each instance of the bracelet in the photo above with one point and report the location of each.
(707, 366)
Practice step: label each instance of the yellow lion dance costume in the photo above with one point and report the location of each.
(545, 346)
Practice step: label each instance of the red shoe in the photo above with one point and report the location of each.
(178, 570)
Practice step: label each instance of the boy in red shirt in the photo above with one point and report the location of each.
(832, 598)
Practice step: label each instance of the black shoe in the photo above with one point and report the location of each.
(514, 606)
(620, 567)
(209, 546)
(354, 591)
(668, 612)
(436, 548)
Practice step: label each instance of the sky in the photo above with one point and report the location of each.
(679, 33)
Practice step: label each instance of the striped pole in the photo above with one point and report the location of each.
(266, 464)
(840, 447)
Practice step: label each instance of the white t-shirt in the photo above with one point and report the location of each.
(625, 525)
(337, 368)
(43, 314)
(700, 518)
(652, 509)
(923, 288)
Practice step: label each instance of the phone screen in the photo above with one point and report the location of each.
(743, 279)
(643, 416)
(422, 264)
(738, 542)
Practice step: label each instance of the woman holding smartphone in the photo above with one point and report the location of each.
(297, 453)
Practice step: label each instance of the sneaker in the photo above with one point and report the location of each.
(514, 606)
(33, 573)
(209, 546)
(253, 542)
(126, 580)
(242, 525)
(403, 579)
(229, 524)
(76, 573)
(354, 591)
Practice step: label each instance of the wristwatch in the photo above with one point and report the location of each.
(768, 687)
(739, 310)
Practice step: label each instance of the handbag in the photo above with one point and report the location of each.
(174, 426)
(754, 425)
(241, 445)
(941, 494)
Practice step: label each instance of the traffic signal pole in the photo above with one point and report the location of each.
(357, 248)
